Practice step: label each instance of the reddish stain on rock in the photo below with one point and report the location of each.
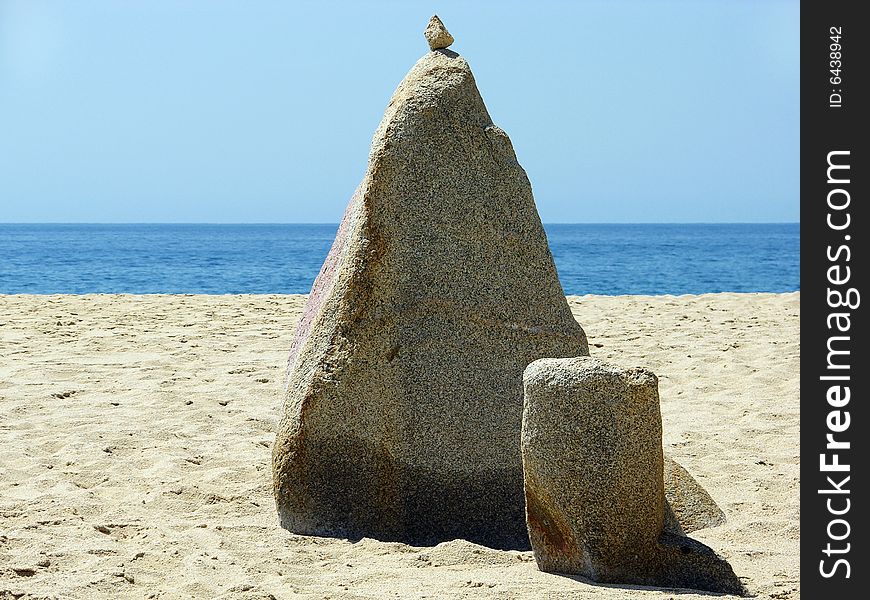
(323, 283)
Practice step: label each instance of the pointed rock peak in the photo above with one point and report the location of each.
(437, 35)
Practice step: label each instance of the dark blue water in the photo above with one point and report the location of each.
(284, 259)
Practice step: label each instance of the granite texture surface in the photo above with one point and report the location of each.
(403, 394)
(594, 480)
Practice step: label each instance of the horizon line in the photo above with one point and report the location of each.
(335, 223)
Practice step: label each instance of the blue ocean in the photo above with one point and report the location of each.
(284, 259)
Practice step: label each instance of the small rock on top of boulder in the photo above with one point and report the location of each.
(436, 34)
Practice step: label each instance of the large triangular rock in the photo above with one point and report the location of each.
(404, 389)
(403, 395)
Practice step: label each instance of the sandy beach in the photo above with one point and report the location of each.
(136, 432)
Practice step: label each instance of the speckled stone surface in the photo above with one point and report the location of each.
(692, 506)
(436, 34)
(404, 391)
(594, 480)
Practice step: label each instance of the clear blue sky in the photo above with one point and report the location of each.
(214, 111)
